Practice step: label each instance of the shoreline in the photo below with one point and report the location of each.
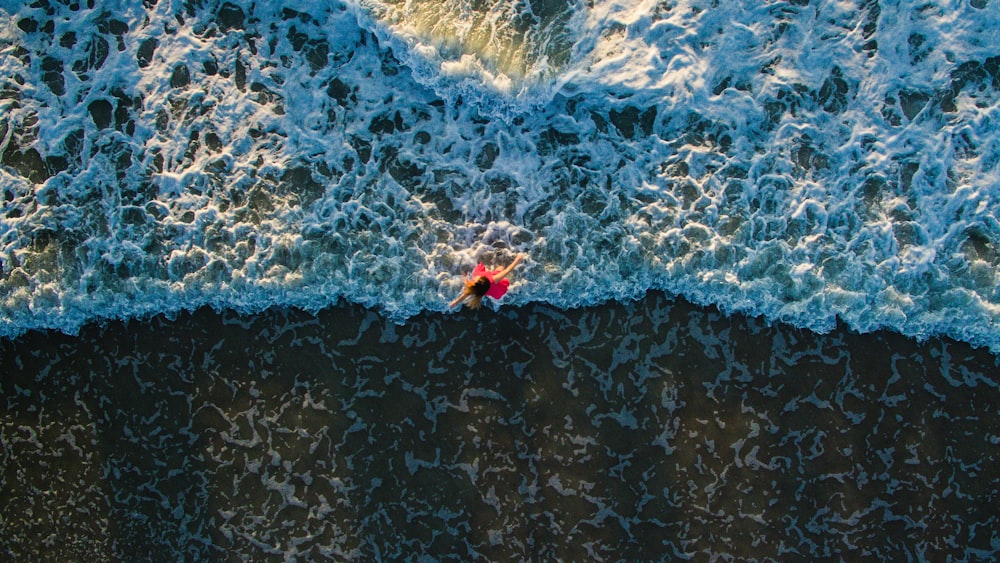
(331, 311)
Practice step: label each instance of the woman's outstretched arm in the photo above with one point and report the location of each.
(503, 273)
(464, 295)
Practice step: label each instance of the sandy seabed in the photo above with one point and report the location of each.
(647, 430)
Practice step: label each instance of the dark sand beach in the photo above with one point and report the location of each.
(651, 430)
(804, 161)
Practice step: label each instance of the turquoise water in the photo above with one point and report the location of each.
(757, 319)
(812, 164)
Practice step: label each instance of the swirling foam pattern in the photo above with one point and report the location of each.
(807, 162)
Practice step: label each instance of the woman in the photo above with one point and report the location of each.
(484, 282)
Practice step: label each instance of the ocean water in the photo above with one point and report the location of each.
(807, 162)
(757, 319)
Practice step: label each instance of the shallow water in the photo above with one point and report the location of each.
(643, 431)
(812, 163)
(301, 185)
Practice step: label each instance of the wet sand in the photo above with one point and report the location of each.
(642, 431)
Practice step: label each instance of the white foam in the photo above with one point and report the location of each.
(771, 163)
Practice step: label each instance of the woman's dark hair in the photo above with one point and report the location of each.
(477, 288)
(480, 286)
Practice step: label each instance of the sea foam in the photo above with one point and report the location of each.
(812, 164)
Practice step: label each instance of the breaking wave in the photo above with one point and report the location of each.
(811, 164)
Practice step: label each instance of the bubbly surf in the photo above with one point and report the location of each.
(810, 164)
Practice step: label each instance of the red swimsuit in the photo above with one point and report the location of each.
(497, 289)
